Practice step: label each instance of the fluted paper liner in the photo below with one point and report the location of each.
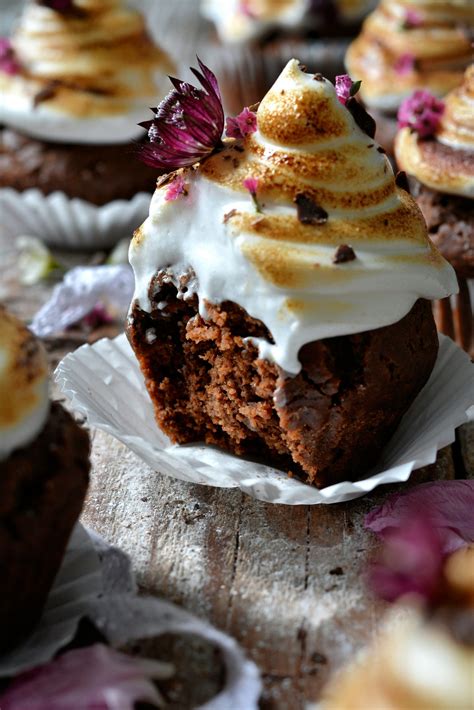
(70, 223)
(104, 383)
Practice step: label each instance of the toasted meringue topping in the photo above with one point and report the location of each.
(280, 264)
(244, 20)
(24, 402)
(393, 58)
(446, 163)
(85, 78)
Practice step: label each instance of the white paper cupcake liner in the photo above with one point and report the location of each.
(96, 582)
(104, 383)
(67, 223)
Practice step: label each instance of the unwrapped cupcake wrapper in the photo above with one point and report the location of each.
(104, 383)
(70, 223)
(245, 74)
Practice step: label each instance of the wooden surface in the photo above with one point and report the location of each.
(287, 582)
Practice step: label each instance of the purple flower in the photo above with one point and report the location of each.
(412, 19)
(8, 61)
(91, 678)
(404, 64)
(251, 184)
(421, 112)
(242, 125)
(343, 87)
(188, 124)
(419, 528)
(176, 188)
(411, 562)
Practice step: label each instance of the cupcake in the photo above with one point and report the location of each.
(259, 37)
(407, 45)
(425, 660)
(44, 468)
(74, 81)
(436, 147)
(280, 307)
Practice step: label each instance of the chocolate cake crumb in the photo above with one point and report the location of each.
(401, 181)
(343, 253)
(381, 150)
(318, 77)
(364, 120)
(308, 211)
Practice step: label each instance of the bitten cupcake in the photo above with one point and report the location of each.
(436, 146)
(74, 81)
(259, 37)
(280, 308)
(407, 45)
(44, 468)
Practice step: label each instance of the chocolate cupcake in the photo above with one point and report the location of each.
(44, 467)
(437, 149)
(280, 307)
(407, 45)
(257, 38)
(74, 82)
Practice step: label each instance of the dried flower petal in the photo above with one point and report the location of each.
(421, 112)
(413, 18)
(411, 562)
(344, 86)
(251, 184)
(8, 62)
(363, 119)
(188, 124)
(176, 188)
(242, 125)
(91, 678)
(246, 10)
(404, 64)
(35, 261)
(450, 505)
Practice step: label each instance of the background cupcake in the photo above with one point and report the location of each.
(44, 467)
(407, 45)
(436, 146)
(259, 37)
(74, 82)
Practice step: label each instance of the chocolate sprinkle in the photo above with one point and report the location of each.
(46, 92)
(401, 181)
(343, 253)
(318, 77)
(308, 211)
(381, 150)
(365, 122)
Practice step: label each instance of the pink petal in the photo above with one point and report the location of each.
(449, 506)
(343, 85)
(92, 678)
(251, 184)
(404, 64)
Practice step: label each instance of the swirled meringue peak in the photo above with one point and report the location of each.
(300, 223)
(446, 161)
(24, 402)
(238, 21)
(85, 76)
(406, 45)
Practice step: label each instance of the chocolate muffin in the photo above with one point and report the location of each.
(95, 173)
(442, 168)
(406, 45)
(44, 468)
(75, 80)
(280, 309)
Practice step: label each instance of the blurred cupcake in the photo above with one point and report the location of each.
(44, 467)
(407, 45)
(260, 36)
(74, 81)
(425, 660)
(436, 146)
